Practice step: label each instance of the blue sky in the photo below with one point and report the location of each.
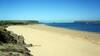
(50, 10)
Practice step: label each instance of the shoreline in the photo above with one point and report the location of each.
(73, 29)
(89, 36)
(54, 41)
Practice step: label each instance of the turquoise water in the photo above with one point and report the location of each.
(78, 26)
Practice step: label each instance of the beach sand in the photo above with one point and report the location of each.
(52, 41)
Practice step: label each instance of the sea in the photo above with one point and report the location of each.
(90, 27)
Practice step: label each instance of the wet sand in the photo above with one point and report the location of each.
(52, 41)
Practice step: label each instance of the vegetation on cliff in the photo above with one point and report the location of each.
(12, 44)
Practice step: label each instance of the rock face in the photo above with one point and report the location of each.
(12, 44)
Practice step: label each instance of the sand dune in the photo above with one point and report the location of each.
(55, 42)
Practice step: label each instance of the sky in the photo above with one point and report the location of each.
(50, 10)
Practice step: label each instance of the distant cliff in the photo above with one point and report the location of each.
(18, 22)
(89, 21)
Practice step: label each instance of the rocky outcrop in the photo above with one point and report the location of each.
(12, 44)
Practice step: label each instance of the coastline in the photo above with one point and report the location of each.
(54, 41)
(91, 36)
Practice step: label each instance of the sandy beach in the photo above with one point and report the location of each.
(52, 41)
